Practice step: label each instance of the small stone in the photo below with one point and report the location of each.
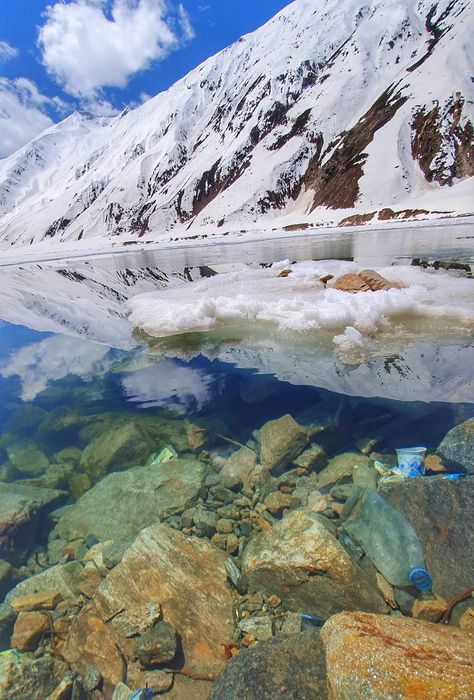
(364, 475)
(79, 484)
(255, 601)
(317, 502)
(225, 525)
(7, 621)
(245, 529)
(429, 609)
(28, 459)
(337, 508)
(157, 681)
(219, 540)
(433, 463)
(43, 600)
(64, 690)
(312, 459)
(75, 550)
(220, 493)
(466, 621)
(113, 555)
(158, 645)
(341, 466)
(236, 576)
(187, 518)
(93, 679)
(28, 629)
(229, 511)
(277, 502)
(274, 601)
(232, 544)
(386, 589)
(291, 624)
(88, 580)
(341, 493)
(206, 521)
(197, 437)
(259, 628)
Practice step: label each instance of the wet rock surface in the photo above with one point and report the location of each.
(373, 657)
(124, 503)
(457, 448)
(293, 668)
(24, 676)
(441, 513)
(300, 560)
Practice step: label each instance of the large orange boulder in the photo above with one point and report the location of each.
(370, 657)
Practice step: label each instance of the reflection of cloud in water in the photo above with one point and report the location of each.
(169, 384)
(55, 358)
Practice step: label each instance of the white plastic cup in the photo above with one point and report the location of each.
(411, 461)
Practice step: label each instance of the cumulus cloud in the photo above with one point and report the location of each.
(7, 51)
(22, 115)
(88, 45)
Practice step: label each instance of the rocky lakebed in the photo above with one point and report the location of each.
(199, 559)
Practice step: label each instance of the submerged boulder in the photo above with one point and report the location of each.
(115, 449)
(27, 458)
(442, 515)
(341, 467)
(163, 573)
(124, 503)
(300, 560)
(457, 447)
(21, 508)
(281, 440)
(329, 423)
(293, 668)
(24, 676)
(379, 656)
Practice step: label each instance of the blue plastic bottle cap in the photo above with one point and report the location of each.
(421, 579)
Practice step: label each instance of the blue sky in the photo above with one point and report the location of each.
(104, 55)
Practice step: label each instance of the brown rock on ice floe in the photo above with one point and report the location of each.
(377, 656)
(186, 577)
(364, 281)
(300, 560)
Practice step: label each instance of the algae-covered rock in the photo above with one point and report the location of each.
(281, 440)
(341, 467)
(300, 560)
(27, 458)
(123, 503)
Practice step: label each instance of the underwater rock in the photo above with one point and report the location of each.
(328, 423)
(25, 419)
(442, 515)
(21, 508)
(238, 468)
(7, 621)
(205, 521)
(29, 628)
(341, 467)
(281, 440)
(46, 599)
(28, 458)
(61, 578)
(291, 668)
(379, 656)
(157, 645)
(122, 504)
(300, 560)
(59, 420)
(68, 455)
(24, 676)
(276, 502)
(312, 459)
(6, 576)
(116, 449)
(183, 576)
(457, 448)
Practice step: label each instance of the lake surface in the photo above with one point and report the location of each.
(83, 396)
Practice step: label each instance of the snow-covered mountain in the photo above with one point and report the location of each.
(330, 110)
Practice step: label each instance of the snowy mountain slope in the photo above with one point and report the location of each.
(329, 110)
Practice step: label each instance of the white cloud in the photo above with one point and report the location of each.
(22, 116)
(91, 44)
(7, 51)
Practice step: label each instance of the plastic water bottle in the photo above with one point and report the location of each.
(387, 538)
